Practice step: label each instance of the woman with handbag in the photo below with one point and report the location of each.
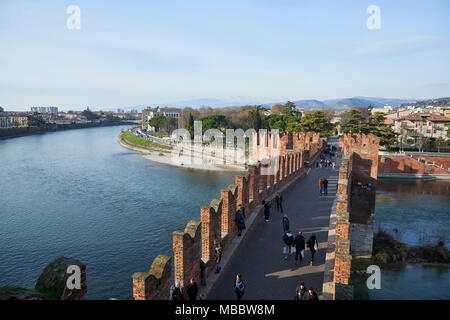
(313, 246)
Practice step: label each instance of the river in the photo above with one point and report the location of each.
(79, 194)
(416, 212)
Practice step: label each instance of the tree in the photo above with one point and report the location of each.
(440, 143)
(274, 121)
(111, 118)
(355, 123)
(314, 121)
(255, 118)
(170, 124)
(36, 120)
(215, 121)
(384, 131)
(277, 108)
(88, 114)
(157, 122)
(191, 125)
(289, 109)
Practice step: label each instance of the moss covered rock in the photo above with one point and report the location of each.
(52, 282)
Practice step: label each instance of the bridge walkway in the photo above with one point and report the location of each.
(260, 259)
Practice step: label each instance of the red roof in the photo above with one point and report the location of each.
(424, 116)
(167, 108)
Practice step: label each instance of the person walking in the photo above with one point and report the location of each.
(176, 292)
(288, 241)
(242, 208)
(240, 222)
(301, 292)
(320, 186)
(218, 256)
(299, 243)
(325, 186)
(313, 246)
(279, 202)
(239, 286)
(266, 210)
(312, 295)
(192, 290)
(285, 222)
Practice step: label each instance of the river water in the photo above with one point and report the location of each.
(79, 194)
(415, 212)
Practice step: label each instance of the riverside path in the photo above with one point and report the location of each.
(260, 259)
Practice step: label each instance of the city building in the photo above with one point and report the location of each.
(415, 126)
(13, 120)
(44, 109)
(386, 109)
(4, 122)
(447, 112)
(149, 113)
(2, 110)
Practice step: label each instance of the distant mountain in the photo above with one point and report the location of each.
(198, 103)
(307, 104)
(348, 103)
(310, 104)
(394, 102)
(440, 102)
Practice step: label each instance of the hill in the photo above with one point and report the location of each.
(440, 102)
(310, 104)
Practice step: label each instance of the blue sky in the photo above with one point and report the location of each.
(143, 52)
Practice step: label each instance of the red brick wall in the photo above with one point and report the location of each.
(404, 164)
(211, 230)
(444, 161)
(154, 285)
(229, 208)
(359, 164)
(186, 252)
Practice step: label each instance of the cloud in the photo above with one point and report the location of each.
(409, 45)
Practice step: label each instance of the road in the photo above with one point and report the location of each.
(260, 260)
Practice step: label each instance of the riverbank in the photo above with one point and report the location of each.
(83, 195)
(386, 249)
(163, 154)
(20, 132)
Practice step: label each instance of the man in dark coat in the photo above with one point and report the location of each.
(299, 243)
(192, 290)
(312, 295)
(285, 223)
(279, 202)
(301, 292)
(325, 186)
(240, 222)
(288, 241)
(176, 293)
(242, 208)
(266, 210)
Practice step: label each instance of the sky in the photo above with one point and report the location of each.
(129, 53)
